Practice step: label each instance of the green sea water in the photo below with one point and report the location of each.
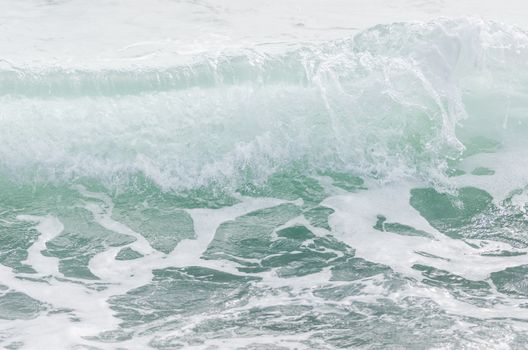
(362, 193)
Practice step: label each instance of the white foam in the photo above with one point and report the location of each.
(353, 222)
(48, 228)
(132, 33)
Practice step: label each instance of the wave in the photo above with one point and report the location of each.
(395, 101)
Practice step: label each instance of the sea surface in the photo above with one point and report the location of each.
(264, 175)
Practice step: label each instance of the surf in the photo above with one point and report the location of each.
(361, 192)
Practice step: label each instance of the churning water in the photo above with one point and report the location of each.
(250, 175)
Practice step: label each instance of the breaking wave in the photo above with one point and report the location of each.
(395, 101)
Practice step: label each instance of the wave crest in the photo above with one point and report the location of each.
(400, 100)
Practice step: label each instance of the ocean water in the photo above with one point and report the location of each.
(258, 175)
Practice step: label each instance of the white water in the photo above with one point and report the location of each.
(386, 103)
(55, 132)
(124, 33)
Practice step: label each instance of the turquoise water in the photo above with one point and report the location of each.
(368, 191)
